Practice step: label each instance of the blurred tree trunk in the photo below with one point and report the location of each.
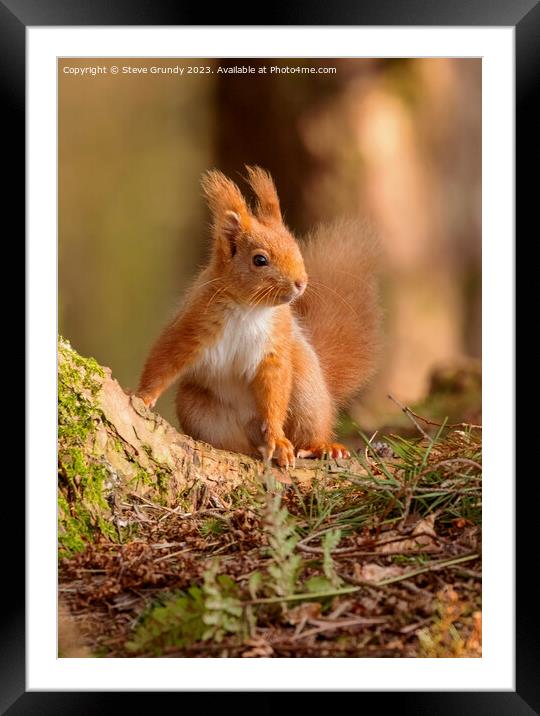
(259, 120)
(252, 115)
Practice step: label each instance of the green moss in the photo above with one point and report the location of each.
(243, 496)
(162, 479)
(77, 385)
(213, 527)
(141, 477)
(82, 476)
(74, 527)
(85, 476)
(108, 529)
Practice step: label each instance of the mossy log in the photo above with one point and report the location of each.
(112, 450)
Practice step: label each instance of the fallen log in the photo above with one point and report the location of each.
(112, 450)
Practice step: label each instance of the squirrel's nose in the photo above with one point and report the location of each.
(300, 286)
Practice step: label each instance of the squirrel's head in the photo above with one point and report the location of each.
(254, 251)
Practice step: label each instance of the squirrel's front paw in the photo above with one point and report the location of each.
(148, 399)
(281, 449)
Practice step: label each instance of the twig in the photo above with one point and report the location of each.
(160, 507)
(409, 413)
(314, 536)
(400, 490)
(409, 490)
(341, 607)
(408, 553)
(413, 588)
(463, 460)
(446, 425)
(302, 597)
(171, 555)
(442, 491)
(366, 454)
(412, 627)
(353, 550)
(430, 568)
(338, 625)
(469, 573)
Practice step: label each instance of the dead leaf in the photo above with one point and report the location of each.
(261, 648)
(423, 537)
(461, 522)
(426, 526)
(474, 642)
(309, 610)
(375, 572)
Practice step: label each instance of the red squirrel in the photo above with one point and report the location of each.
(271, 339)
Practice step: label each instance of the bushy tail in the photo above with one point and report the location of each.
(340, 309)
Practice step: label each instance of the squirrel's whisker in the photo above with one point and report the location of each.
(259, 295)
(317, 294)
(214, 296)
(263, 295)
(219, 278)
(325, 286)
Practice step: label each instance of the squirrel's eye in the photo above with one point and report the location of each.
(260, 260)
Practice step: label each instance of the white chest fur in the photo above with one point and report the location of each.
(237, 353)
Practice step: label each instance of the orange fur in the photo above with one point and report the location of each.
(264, 362)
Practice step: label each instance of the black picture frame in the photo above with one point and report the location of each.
(524, 16)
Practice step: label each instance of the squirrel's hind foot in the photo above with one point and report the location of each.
(325, 450)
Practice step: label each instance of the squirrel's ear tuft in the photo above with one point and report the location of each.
(222, 194)
(229, 209)
(267, 209)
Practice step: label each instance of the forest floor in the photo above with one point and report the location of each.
(382, 564)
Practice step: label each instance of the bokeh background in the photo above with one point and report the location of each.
(397, 141)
